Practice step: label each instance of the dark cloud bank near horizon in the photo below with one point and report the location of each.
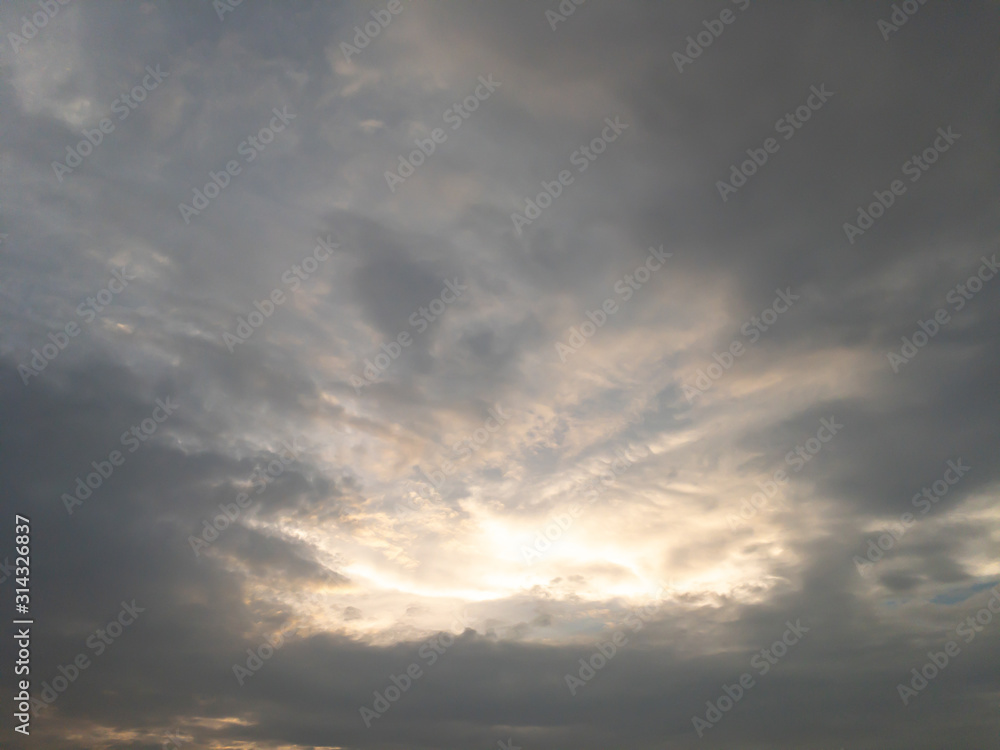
(519, 375)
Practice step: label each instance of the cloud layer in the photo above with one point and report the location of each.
(502, 337)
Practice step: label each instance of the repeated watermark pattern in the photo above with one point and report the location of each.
(926, 499)
(249, 149)
(958, 296)
(752, 329)
(795, 459)
(123, 107)
(98, 642)
(562, 12)
(89, 309)
(56, 96)
(900, 15)
(625, 288)
(229, 513)
(398, 685)
(32, 26)
(763, 663)
(787, 127)
(293, 278)
(420, 320)
(703, 39)
(938, 661)
(256, 657)
(455, 115)
(363, 35)
(606, 650)
(132, 439)
(582, 158)
(915, 167)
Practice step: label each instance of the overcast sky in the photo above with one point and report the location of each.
(446, 345)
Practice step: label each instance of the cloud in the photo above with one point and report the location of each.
(394, 525)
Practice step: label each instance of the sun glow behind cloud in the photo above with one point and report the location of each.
(411, 557)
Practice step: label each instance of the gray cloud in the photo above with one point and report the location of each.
(359, 548)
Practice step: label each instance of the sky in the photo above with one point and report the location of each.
(438, 375)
